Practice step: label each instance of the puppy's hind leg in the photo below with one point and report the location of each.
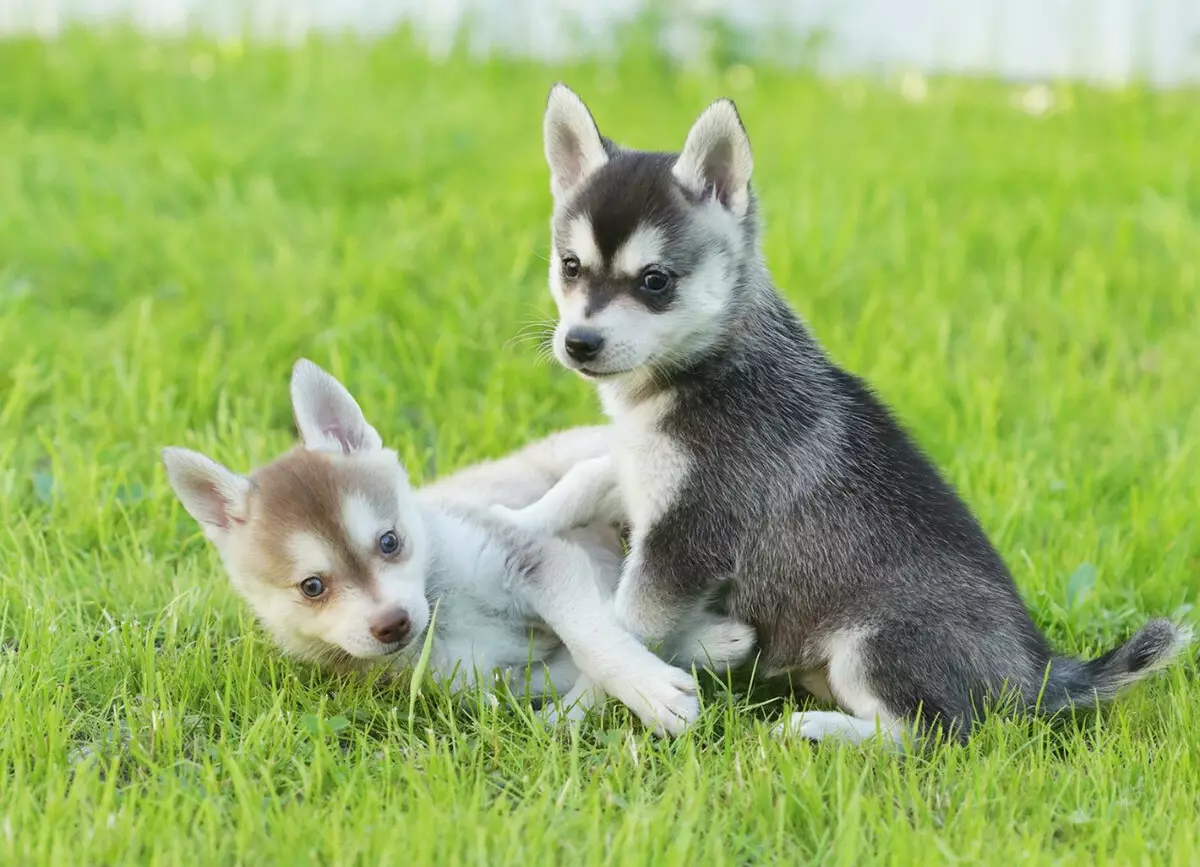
(586, 494)
(713, 642)
(864, 715)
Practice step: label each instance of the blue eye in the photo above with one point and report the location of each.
(389, 543)
(312, 587)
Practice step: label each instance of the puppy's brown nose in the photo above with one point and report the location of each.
(391, 627)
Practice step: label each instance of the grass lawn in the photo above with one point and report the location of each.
(179, 222)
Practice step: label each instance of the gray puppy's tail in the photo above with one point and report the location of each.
(1088, 683)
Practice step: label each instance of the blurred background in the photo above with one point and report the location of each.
(1112, 41)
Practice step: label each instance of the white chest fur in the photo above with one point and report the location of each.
(651, 466)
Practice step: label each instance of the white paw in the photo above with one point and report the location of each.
(663, 698)
(816, 725)
(722, 643)
(820, 725)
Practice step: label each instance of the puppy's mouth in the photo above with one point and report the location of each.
(414, 641)
(387, 651)
(598, 374)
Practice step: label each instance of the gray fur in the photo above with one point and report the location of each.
(804, 499)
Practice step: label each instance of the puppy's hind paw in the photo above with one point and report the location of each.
(819, 725)
(721, 644)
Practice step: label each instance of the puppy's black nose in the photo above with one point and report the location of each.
(391, 627)
(584, 344)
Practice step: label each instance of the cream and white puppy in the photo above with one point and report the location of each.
(344, 564)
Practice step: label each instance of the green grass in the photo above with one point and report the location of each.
(179, 222)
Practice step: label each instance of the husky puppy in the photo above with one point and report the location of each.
(344, 563)
(750, 464)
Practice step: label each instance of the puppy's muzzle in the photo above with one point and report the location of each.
(394, 627)
(583, 344)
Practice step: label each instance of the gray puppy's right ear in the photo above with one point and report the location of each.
(213, 495)
(327, 415)
(574, 148)
(716, 158)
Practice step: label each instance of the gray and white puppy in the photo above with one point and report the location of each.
(752, 466)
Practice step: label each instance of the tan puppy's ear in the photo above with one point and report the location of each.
(327, 415)
(213, 495)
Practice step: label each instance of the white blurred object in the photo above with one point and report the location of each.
(1036, 100)
(1109, 41)
(913, 87)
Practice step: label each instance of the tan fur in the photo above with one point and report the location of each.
(299, 493)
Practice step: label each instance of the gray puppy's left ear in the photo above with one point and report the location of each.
(574, 148)
(716, 160)
(328, 416)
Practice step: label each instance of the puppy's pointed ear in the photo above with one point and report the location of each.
(574, 148)
(328, 416)
(716, 159)
(212, 494)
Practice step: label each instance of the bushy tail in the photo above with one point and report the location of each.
(1083, 684)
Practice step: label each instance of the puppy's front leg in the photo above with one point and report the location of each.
(670, 570)
(564, 592)
(587, 493)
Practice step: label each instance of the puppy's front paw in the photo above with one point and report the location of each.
(662, 697)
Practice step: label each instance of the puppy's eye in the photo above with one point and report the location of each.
(389, 543)
(570, 267)
(655, 280)
(312, 587)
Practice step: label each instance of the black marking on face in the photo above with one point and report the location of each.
(633, 190)
(600, 293)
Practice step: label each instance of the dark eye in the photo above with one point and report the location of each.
(570, 267)
(655, 280)
(389, 543)
(312, 587)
